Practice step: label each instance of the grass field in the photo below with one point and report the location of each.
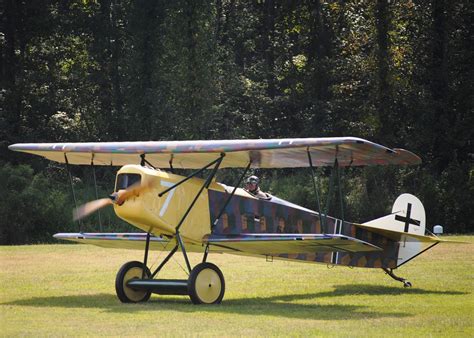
(69, 290)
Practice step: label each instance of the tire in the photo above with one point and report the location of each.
(206, 284)
(129, 271)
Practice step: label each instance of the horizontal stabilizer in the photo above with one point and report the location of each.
(274, 244)
(400, 235)
(405, 225)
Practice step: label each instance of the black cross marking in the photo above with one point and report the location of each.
(407, 219)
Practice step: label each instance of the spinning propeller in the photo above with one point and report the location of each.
(118, 198)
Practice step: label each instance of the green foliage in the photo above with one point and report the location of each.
(397, 73)
(32, 208)
(294, 187)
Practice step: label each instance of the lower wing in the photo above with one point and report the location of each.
(117, 240)
(256, 244)
(134, 241)
(274, 244)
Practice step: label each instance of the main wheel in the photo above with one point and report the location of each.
(128, 271)
(206, 284)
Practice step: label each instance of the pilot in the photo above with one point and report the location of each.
(252, 187)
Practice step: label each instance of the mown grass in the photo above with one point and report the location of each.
(69, 290)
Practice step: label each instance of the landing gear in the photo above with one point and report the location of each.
(128, 272)
(135, 283)
(389, 272)
(206, 284)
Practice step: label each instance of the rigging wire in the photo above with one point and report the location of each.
(164, 246)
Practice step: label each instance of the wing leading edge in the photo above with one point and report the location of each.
(116, 240)
(263, 153)
(133, 241)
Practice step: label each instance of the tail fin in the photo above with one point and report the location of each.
(407, 217)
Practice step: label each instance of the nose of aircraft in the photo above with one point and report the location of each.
(118, 197)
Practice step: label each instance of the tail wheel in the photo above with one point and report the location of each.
(206, 284)
(128, 271)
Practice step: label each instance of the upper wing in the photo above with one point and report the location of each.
(270, 153)
(274, 244)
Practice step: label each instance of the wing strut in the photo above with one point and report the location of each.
(339, 186)
(145, 161)
(334, 179)
(72, 187)
(230, 197)
(316, 190)
(206, 251)
(196, 173)
(171, 163)
(206, 184)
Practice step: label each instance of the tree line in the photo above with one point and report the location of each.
(395, 72)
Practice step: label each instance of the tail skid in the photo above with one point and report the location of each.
(389, 272)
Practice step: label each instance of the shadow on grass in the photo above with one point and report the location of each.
(283, 305)
(248, 306)
(372, 290)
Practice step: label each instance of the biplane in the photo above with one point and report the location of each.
(198, 214)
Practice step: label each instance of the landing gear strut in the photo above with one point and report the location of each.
(389, 272)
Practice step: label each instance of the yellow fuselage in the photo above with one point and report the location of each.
(161, 215)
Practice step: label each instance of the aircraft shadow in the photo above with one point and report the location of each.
(373, 290)
(289, 306)
(257, 306)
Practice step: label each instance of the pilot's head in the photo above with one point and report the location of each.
(251, 184)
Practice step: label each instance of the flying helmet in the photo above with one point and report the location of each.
(252, 179)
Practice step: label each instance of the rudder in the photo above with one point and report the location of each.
(408, 216)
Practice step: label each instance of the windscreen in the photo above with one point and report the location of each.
(126, 180)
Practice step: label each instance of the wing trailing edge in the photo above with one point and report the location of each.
(274, 244)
